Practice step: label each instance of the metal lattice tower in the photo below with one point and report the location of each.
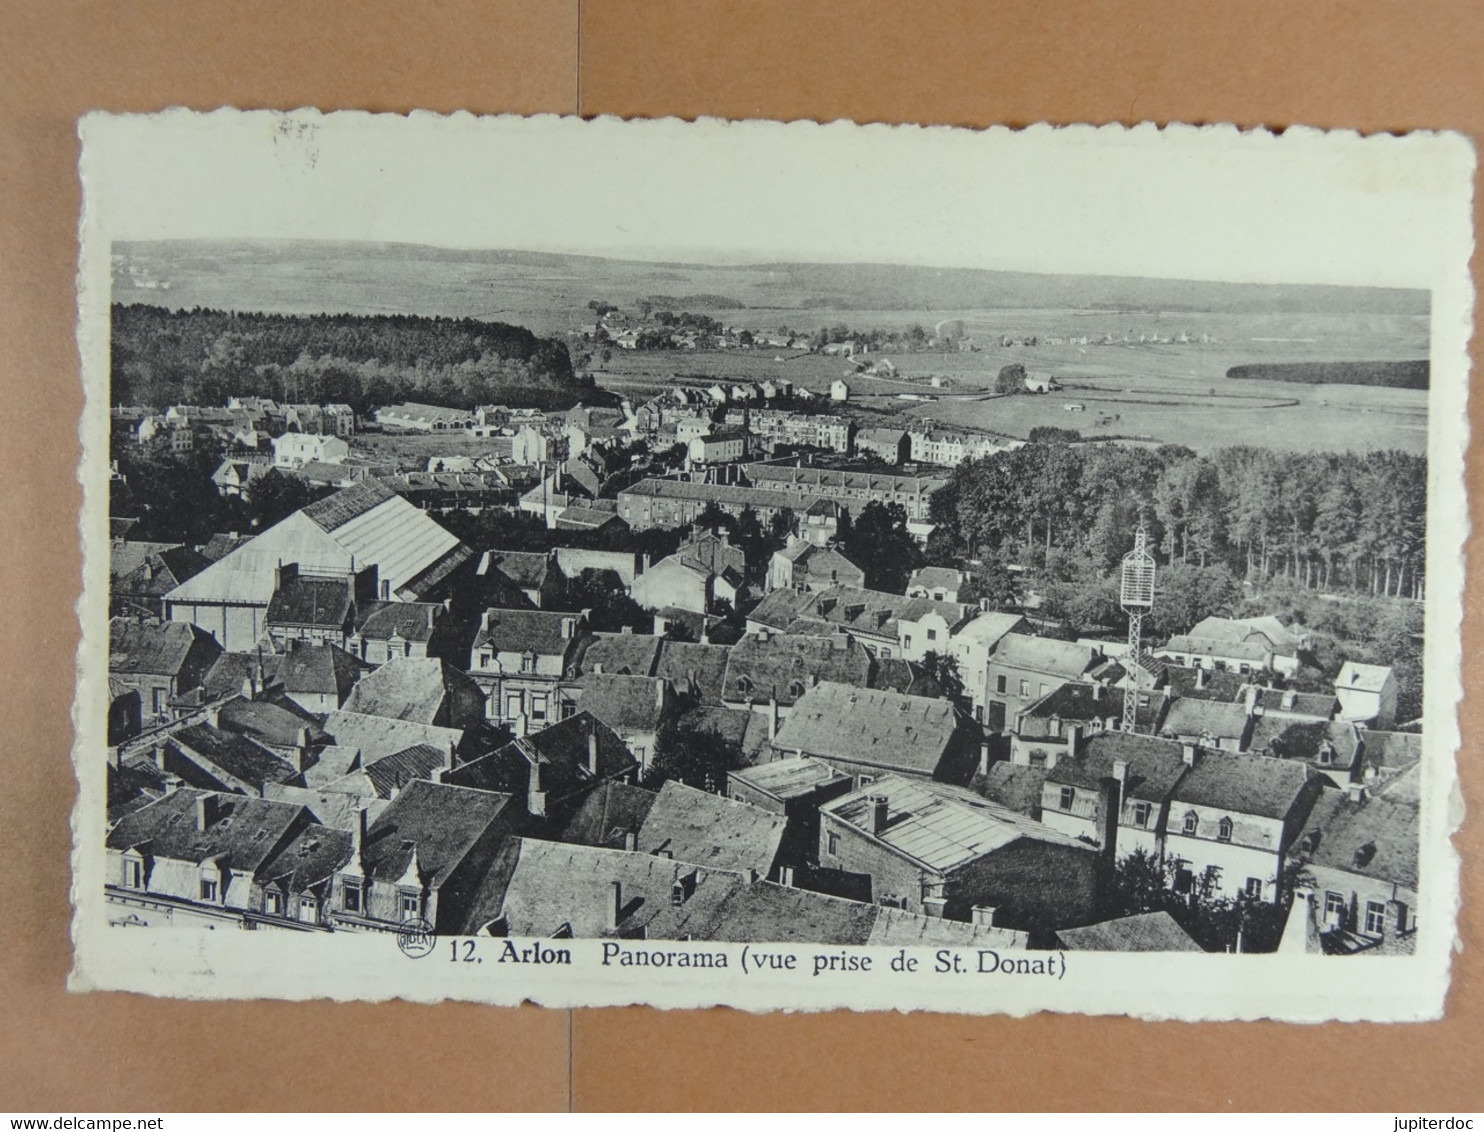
(1136, 597)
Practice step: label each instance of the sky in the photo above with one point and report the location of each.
(1180, 203)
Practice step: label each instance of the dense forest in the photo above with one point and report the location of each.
(161, 357)
(1392, 375)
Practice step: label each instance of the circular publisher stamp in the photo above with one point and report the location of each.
(415, 937)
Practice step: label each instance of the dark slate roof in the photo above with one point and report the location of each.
(1306, 742)
(132, 786)
(1081, 703)
(1147, 931)
(1391, 750)
(218, 546)
(324, 669)
(772, 913)
(225, 676)
(712, 553)
(759, 668)
(626, 703)
(682, 662)
(1233, 650)
(1243, 784)
(314, 602)
(730, 724)
(309, 860)
(1016, 787)
(895, 674)
(151, 568)
(438, 823)
(274, 723)
(1219, 685)
(376, 736)
(1376, 837)
(527, 570)
(524, 630)
(410, 688)
(409, 620)
(1321, 705)
(1154, 765)
(708, 829)
(243, 831)
(154, 650)
(336, 510)
(562, 750)
(1044, 654)
(393, 772)
(882, 729)
(238, 755)
(619, 654)
(1201, 717)
(607, 813)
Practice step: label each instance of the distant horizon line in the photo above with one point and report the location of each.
(636, 257)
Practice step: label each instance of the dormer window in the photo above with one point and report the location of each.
(1224, 829)
(1191, 825)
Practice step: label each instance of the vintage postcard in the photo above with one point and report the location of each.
(789, 566)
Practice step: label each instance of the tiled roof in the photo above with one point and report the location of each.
(1307, 742)
(1214, 685)
(935, 577)
(1237, 629)
(1202, 717)
(527, 569)
(707, 829)
(316, 602)
(1154, 765)
(608, 813)
(393, 772)
(1376, 837)
(682, 662)
(416, 689)
(271, 722)
(155, 650)
(237, 755)
(153, 568)
(309, 860)
(409, 620)
(897, 928)
(324, 669)
(1243, 784)
(243, 832)
(1043, 654)
(226, 675)
(719, 493)
(896, 674)
(436, 823)
(375, 736)
(1362, 677)
(562, 751)
(524, 630)
(1016, 787)
(1252, 651)
(621, 654)
(1391, 750)
(625, 703)
(882, 729)
(787, 666)
(1147, 931)
(1077, 702)
(943, 829)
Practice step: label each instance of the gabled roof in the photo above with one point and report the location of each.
(409, 620)
(241, 832)
(1045, 655)
(1334, 745)
(153, 568)
(682, 662)
(1320, 705)
(526, 569)
(786, 666)
(626, 703)
(1147, 931)
(433, 823)
(1207, 717)
(1154, 765)
(227, 673)
(989, 628)
(154, 650)
(1376, 837)
(1253, 651)
(1391, 751)
(375, 736)
(271, 722)
(1080, 703)
(323, 669)
(1243, 784)
(897, 928)
(933, 577)
(619, 654)
(237, 755)
(941, 828)
(897, 674)
(411, 688)
(1362, 677)
(1216, 684)
(1238, 629)
(608, 813)
(525, 630)
(393, 772)
(1016, 787)
(707, 829)
(562, 751)
(309, 860)
(885, 729)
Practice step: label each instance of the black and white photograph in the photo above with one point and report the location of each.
(782, 566)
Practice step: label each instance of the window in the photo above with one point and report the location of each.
(485, 659)
(1253, 888)
(1224, 829)
(1334, 906)
(867, 780)
(1025, 689)
(834, 843)
(979, 713)
(159, 700)
(411, 905)
(1212, 878)
(514, 703)
(1191, 824)
(999, 685)
(932, 634)
(1141, 814)
(273, 902)
(538, 707)
(1045, 688)
(1401, 917)
(907, 640)
(133, 874)
(351, 898)
(208, 889)
(1038, 758)
(1375, 917)
(638, 753)
(528, 662)
(1068, 797)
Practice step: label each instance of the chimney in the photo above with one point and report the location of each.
(984, 757)
(1200, 677)
(626, 631)
(205, 811)
(983, 915)
(247, 688)
(1252, 699)
(878, 814)
(431, 610)
(213, 716)
(933, 906)
(358, 835)
(1290, 697)
(631, 840)
(773, 713)
(592, 750)
(659, 695)
(1120, 772)
(615, 907)
(535, 796)
(1097, 689)
(1187, 753)
(1356, 791)
(1074, 738)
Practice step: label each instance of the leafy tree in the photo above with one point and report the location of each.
(697, 758)
(1010, 379)
(945, 671)
(275, 496)
(878, 542)
(610, 607)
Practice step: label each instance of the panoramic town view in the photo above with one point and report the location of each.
(510, 594)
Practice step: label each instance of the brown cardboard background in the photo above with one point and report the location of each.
(1384, 66)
